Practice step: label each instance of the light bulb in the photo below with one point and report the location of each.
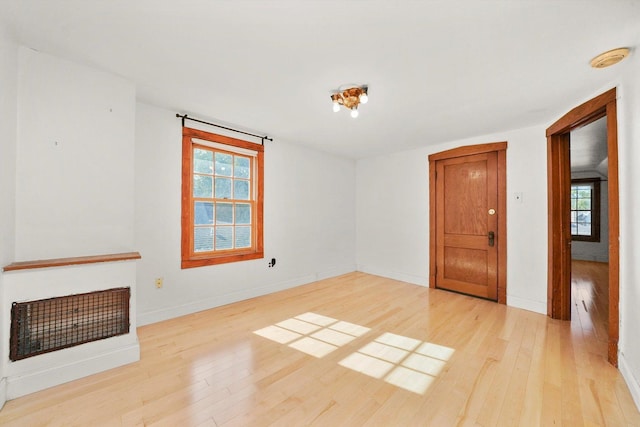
(364, 98)
(354, 112)
(336, 107)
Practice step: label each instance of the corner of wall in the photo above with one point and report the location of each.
(8, 146)
(632, 381)
(3, 392)
(527, 304)
(35, 381)
(389, 274)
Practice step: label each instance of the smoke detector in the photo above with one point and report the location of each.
(610, 57)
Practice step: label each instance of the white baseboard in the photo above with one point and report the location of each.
(30, 383)
(336, 271)
(3, 392)
(395, 275)
(527, 304)
(630, 379)
(217, 301)
(220, 300)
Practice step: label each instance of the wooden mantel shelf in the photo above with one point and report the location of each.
(62, 262)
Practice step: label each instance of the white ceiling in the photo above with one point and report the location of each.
(437, 70)
(589, 149)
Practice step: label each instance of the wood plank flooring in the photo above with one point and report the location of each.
(483, 364)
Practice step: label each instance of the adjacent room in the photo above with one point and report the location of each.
(279, 212)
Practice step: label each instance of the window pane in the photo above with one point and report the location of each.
(584, 217)
(584, 193)
(574, 192)
(243, 213)
(223, 164)
(225, 221)
(241, 189)
(203, 239)
(202, 161)
(574, 228)
(242, 167)
(574, 216)
(223, 188)
(573, 204)
(224, 213)
(203, 213)
(224, 237)
(584, 204)
(584, 229)
(243, 237)
(202, 186)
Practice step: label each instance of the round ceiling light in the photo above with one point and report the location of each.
(610, 57)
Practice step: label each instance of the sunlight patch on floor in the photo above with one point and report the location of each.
(312, 333)
(405, 362)
(277, 334)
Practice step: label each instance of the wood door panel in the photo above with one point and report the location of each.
(471, 289)
(465, 265)
(466, 212)
(471, 242)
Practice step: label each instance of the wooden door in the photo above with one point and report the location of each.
(467, 215)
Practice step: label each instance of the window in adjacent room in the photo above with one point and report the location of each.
(585, 210)
(222, 203)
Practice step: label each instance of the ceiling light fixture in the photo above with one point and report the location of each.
(350, 96)
(610, 57)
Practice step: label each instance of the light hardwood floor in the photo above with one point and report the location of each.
(495, 366)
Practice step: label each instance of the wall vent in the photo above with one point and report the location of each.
(52, 324)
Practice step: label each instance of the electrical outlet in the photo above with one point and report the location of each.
(159, 281)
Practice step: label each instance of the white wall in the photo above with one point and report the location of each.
(309, 223)
(392, 215)
(392, 212)
(69, 192)
(8, 115)
(74, 198)
(629, 159)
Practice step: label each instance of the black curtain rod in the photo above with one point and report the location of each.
(262, 138)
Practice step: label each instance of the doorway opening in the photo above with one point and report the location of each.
(560, 212)
(590, 231)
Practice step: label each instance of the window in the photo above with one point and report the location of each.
(222, 204)
(585, 210)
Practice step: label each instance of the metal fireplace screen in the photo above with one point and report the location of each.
(52, 324)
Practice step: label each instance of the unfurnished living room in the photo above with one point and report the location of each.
(319, 213)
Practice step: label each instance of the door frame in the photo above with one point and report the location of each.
(501, 149)
(559, 183)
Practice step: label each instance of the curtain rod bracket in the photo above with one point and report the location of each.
(262, 138)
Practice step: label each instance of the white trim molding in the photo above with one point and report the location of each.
(632, 381)
(32, 382)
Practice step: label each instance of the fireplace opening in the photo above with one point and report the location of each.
(51, 324)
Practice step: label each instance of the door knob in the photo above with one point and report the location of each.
(492, 237)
